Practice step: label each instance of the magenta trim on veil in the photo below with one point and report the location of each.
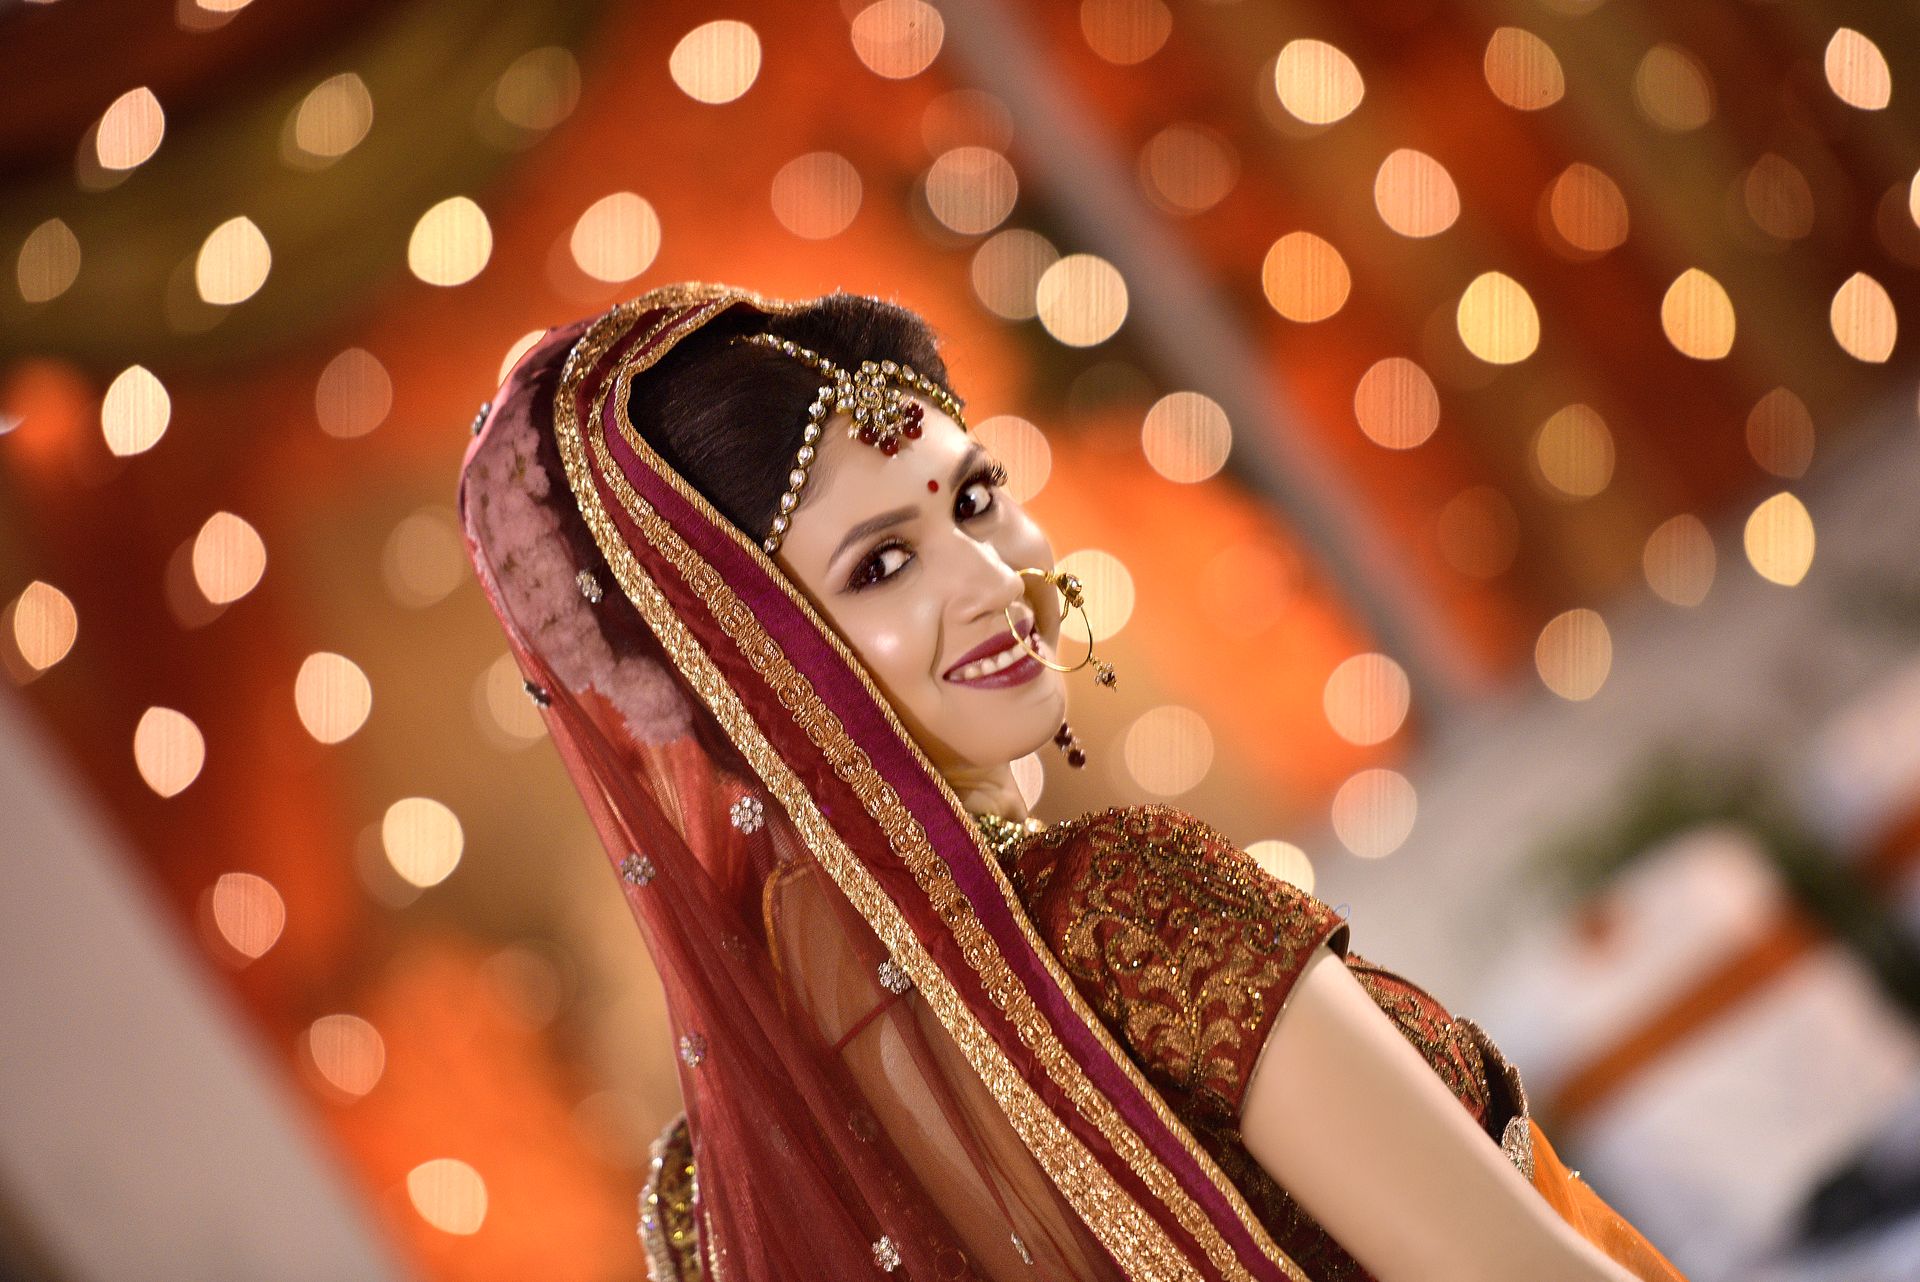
(814, 657)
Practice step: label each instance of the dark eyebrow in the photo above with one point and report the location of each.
(875, 524)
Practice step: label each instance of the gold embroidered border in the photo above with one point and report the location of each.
(1128, 1232)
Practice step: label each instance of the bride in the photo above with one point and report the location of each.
(789, 633)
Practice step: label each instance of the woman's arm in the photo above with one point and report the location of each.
(1349, 1118)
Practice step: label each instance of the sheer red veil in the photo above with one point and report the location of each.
(884, 1071)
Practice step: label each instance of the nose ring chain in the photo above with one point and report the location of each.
(1071, 589)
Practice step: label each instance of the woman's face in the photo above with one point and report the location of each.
(913, 558)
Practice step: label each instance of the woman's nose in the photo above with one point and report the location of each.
(988, 583)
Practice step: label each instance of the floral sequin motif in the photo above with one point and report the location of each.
(886, 1255)
(893, 977)
(589, 586)
(636, 869)
(693, 1049)
(537, 693)
(747, 814)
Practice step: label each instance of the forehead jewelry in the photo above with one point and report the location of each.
(875, 396)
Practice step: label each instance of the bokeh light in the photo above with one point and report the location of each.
(450, 243)
(1497, 319)
(1574, 653)
(130, 130)
(817, 195)
(502, 709)
(233, 262)
(229, 558)
(971, 189)
(1778, 197)
(1672, 89)
(1679, 560)
(1007, 269)
(1284, 860)
(1587, 208)
(45, 624)
(617, 237)
(1186, 436)
(1862, 318)
(1697, 316)
(448, 1194)
(1780, 433)
(1366, 698)
(1396, 403)
(248, 912)
(1169, 750)
(1188, 168)
(1317, 82)
(539, 90)
(1778, 539)
(1304, 277)
(333, 118)
(135, 411)
(717, 61)
(1522, 70)
(424, 560)
(1373, 812)
(49, 262)
(1573, 452)
(332, 695)
(898, 39)
(1125, 31)
(1414, 194)
(353, 395)
(1857, 71)
(423, 840)
(1081, 300)
(347, 1052)
(168, 750)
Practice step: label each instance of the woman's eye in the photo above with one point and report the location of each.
(875, 568)
(986, 480)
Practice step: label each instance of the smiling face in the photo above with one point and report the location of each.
(914, 559)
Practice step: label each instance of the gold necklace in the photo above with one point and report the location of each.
(1004, 835)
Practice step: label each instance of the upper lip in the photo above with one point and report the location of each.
(990, 647)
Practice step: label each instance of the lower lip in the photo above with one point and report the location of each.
(1025, 669)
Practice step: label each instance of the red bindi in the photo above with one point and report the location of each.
(933, 487)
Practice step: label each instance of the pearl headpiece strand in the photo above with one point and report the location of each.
(875, 395)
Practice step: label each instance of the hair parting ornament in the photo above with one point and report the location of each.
(875, 395)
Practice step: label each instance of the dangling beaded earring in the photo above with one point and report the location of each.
(1103, 673)
(1069, 743)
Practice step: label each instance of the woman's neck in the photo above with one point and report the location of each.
(989, 792)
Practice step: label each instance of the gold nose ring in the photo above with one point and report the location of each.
(1070, 588)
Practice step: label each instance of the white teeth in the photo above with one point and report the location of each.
(982, 667)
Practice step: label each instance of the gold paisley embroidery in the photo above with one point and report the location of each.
(1180, 940)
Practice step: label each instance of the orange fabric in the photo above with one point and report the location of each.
(1576, 1203)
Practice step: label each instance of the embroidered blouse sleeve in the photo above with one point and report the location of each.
(1185, 948)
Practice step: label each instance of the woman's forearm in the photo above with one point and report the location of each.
(1349, 1118)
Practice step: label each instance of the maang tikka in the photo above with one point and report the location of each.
(875, 395)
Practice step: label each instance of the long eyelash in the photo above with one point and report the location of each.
(993, 473)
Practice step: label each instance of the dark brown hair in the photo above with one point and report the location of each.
(728, 416)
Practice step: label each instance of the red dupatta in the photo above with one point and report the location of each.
(781, 838)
